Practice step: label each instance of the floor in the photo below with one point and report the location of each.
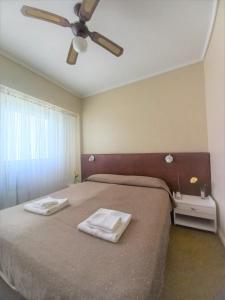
(195, 268)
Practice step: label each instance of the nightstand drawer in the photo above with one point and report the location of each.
(202, 212)
(196, 207)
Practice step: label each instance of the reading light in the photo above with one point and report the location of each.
(79, 44)
(169, 159)
(91, 158)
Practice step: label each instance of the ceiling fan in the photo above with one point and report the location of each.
(84, 11)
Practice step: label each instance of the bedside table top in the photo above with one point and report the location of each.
(196, 200)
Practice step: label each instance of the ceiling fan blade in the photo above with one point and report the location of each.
(72, 56)
(33, 12)
(87, 8)
(106, 43)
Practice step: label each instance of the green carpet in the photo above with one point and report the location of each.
(195, 268)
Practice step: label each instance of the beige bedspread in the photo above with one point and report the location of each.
(47, 258)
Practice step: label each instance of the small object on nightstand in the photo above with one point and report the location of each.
(177, 195)
(194, 180)
(192, 211)
(202, 191)
(76, 178)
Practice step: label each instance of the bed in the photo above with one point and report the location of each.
(47, 258)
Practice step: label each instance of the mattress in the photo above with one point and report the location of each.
(47, 258)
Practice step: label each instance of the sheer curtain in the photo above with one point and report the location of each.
(37, 147)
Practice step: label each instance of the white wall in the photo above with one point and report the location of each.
(214, 66)
(19, 78)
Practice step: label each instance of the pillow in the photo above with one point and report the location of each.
(142, 181)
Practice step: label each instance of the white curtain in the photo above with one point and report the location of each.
(37, 148)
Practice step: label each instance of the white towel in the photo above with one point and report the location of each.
(111, 237)
(38, 206)
(104, 219)
(45, 202)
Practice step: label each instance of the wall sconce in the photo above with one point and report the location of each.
(169, 159)
(91, 158)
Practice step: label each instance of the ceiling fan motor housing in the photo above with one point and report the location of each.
(79, 29)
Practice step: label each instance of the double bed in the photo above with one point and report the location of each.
(47, 258)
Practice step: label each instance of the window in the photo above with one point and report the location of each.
(37, 147)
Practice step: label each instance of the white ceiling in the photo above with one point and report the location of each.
(157, 36)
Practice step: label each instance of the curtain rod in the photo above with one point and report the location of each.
(29, 98)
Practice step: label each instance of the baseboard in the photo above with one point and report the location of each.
(222, 237)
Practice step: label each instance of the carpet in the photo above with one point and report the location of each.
(195, 267)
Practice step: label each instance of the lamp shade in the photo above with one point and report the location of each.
(169, 159)
(79, 44)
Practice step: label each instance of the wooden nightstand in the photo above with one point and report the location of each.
(192, 211)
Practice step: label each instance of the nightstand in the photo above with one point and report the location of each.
(192, 211)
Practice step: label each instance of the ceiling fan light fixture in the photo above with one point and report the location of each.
(79, 44)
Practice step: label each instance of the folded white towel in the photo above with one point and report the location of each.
(109, 236)
(104, 219)
(43, 207)
(45, 202)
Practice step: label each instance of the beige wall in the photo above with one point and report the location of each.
(214, 66)
(15, 76)
(160, 114)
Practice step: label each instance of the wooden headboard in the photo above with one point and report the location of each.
(186, 165)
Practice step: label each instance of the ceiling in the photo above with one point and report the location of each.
(157, 36)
